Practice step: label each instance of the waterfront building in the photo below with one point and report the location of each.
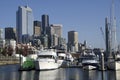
(11, 43)
(24, 24)
(50, 33)
(45, 23)
(44, 40)
(37, 28)
(2, 33)
(73, 41)
(62, 43)
(54, 40)
(10, 33)
(54, 35)
(2, 43)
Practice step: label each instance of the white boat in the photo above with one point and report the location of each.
(46, 60)
(89, 60)
(62, 59)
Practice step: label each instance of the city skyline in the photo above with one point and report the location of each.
(85, 17)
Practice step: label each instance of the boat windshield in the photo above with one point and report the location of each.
(46, 56)
(61, 57)
(89, 57)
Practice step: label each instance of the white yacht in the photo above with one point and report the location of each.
(62, 59)
(89, 61)
(46, 60)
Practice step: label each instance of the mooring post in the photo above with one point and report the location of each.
(102, 62)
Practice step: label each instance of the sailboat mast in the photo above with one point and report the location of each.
(113, 41)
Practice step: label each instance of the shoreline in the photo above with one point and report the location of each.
(8, 62)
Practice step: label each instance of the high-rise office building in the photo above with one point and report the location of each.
(45, 23)
(10, 33)
(24, 23)
(54, 40)
(57, 29)
(73, 41)
(37, 28)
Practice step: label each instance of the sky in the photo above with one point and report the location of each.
(84, 16)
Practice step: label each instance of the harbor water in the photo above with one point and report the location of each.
(10, 72)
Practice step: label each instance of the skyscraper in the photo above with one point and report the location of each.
(37, 28)
(45, 23)
(57, 29)
(24, 24)
(10, 33)
(73, 41)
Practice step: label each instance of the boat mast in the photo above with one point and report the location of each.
(113, 41)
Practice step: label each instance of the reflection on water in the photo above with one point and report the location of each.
(11, 72)
(117, 75)
(47, 75)
(58, 74)
(26, 75)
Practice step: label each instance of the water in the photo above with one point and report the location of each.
(10, 72)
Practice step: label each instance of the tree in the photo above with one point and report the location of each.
(25, 50)
(9, 50)
(4, 51)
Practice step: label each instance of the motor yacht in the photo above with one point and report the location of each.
(46, 60)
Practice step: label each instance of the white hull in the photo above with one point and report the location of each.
(46, 65)
(89, 67)
(114, 65)
(89, 61)
(62, 63)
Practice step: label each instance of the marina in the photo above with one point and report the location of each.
(37, 50)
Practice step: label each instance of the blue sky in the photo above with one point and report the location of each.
(84, 16)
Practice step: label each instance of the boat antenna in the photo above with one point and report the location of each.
(25, 2)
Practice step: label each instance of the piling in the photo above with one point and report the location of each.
(102, 66)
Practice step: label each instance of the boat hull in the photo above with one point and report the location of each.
(63, 63)
(46, 65)
(89, 67)
(90, 62)
(114, 65)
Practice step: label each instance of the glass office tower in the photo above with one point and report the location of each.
(24, 24)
